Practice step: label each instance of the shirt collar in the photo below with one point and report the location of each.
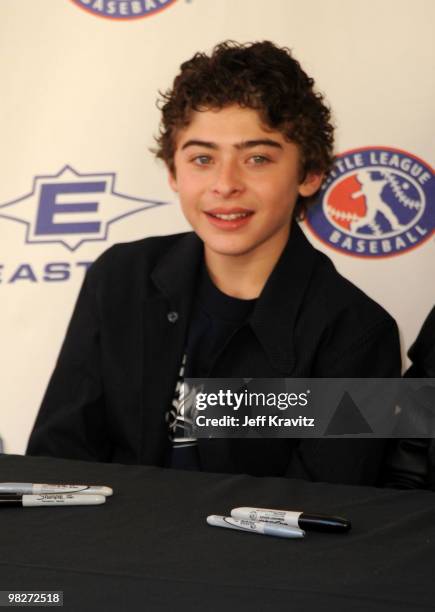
(276, 312)
(176, 272)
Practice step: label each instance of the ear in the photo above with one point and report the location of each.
(311, 183)
(172, 181)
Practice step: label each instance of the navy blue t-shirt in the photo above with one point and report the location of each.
(215, 317)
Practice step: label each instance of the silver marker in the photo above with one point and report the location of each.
(27, 501)
(29, 488)
(315, 522)
(280, 531)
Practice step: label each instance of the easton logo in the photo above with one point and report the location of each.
(72, 208)
(123, 9)
(376, 202)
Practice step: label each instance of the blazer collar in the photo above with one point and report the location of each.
(275, 314)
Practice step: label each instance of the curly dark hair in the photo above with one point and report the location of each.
(259, 76)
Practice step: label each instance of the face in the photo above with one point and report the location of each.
(238, 182)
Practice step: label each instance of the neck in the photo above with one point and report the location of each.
(244, 276)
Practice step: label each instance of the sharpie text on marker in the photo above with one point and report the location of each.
(313, 522)
(70, 499)
(279, 531)
(30, 488)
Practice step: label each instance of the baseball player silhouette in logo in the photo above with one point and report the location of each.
(372, 191)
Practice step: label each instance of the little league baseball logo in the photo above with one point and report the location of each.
(123, 9)
(376, 202)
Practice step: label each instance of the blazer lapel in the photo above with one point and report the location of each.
(165, 324)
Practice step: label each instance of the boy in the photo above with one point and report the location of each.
(247, 143)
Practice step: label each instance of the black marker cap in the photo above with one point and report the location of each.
(11, 500)
(319, 522)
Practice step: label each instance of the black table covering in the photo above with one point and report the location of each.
(149, 547)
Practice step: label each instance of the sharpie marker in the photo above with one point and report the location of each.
(280, 531)
(29, 488)
(310, 522)
(27, 501)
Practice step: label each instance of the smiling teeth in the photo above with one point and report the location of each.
(232, 216)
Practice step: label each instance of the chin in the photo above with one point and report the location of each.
(229, 248)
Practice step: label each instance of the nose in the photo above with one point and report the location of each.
(228, 180)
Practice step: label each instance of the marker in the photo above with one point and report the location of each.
(310, 522)
(280, 531)
(28, 501)
(29, 488)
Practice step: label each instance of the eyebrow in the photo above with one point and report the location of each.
(247, 144)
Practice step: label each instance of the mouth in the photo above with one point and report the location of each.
(230, 216)
(229, 219)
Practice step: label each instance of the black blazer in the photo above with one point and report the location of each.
(115, 376)
(411, 462)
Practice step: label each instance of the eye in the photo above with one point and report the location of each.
(202, 160)
(258, 160)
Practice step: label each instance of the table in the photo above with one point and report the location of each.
(149, 547)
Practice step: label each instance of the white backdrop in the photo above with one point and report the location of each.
(79, 90)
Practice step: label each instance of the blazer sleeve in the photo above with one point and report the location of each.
(71, 422)
(373, 353)
(411, 462)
